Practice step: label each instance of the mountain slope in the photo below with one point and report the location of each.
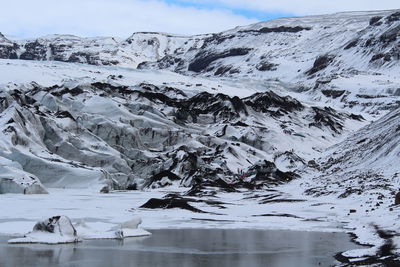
(349, 60)
(366, 162)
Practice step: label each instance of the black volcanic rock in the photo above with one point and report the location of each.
(163, 174)
(327, 117)
(8, 49)
(262, 102)
(169, 203)
(34, 51)
(320, 63)
(279, 29)
(333, 93)
(203, 60)
(393, 17)
(375, 21)
(266, 173)
(266, 66)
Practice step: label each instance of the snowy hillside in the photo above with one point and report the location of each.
(340, 59)
(366, 162)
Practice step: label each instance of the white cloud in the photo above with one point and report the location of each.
(32, 18)
(305, 7)
(110, 18)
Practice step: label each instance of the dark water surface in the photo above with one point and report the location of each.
(188, 247)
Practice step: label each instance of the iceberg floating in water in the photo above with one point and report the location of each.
(54, 230)
(123, 230)
(60, 230)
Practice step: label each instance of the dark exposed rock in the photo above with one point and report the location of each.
(321, 63)
(370, 42)
(393, 17)
(216, 39)
(210, 187)
(280, 29)
(221, 184)
(21, 98)
(108, 87)
(222, 70)
(169, 203)
(57, 50)
(284, 200)
(57, 92)
(351, 44)
(267, 173)
(286, 215)
(356, 117)
(164, 63)
(350, 191)
(266, 66)
(226, 69)
(333, 93)
(375, 21)
(34, 51)
(203, 60)
(384, 57)
(327, 117)
(262, 102)
(217, 105)
(105, 190)
(163, 174)
(64, 114)
(241, 124)
(390, 35)
(397, 199)
(8, 49)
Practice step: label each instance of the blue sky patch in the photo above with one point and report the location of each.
(252, 14)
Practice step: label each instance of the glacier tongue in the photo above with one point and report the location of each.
(114, 136)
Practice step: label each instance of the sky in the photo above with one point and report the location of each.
(34, 18)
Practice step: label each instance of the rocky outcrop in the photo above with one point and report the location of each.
(320, 63)
(202, 61)
(8, 49)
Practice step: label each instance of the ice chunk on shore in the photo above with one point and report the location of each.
(55, 230)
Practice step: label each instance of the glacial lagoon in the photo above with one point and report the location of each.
(187, 247)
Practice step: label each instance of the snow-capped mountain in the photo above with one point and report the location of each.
(100, 51)
(339, 59)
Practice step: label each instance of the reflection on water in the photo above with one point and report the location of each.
(189, 247)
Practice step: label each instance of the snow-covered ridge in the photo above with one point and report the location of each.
(304, 38)
(340, 59)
